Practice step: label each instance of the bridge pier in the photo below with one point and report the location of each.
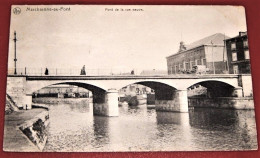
(110, 105)
(178, 103)
(237, 92)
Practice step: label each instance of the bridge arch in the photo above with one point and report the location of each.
(215, 88)
(230, 82)
(163, 91)
(124, 83)
(98, 92)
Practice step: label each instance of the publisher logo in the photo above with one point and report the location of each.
(17, 10)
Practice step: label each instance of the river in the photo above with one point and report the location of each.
(74, 128)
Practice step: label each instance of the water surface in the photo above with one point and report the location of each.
(74, 128)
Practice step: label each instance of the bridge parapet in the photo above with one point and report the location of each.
(21, 87)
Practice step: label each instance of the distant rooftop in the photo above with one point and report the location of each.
(154, 72)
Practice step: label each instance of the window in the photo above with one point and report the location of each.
(235, 69)
(234, 56)
(187, 65)
(176, 69)
(248, 68)
(180, 66)
(192, 63)
(245, 42)
(198, 62)
(169, 69)
(247, 54)
(233, 46)
(203, 61)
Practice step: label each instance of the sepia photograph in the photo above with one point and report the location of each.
(127, 78)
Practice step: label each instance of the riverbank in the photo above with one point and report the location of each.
(51, 100)
(243, 103)
(14, 139)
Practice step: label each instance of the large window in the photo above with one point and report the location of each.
(235, 69)
(245, 42)
(234, 56)
(247, 54)
(233, 46)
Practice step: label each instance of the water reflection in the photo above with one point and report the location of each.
(101, 131)
(74, 128)
(172, 118)
(218, 129)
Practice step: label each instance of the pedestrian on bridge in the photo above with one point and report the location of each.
(83, 71)
(46, 71)
(132, 72)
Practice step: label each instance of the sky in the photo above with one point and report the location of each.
(99, 38)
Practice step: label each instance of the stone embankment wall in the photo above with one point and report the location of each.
(35, 129)
(10, 105)
(49, 100)
(16, 89)
(223, 102)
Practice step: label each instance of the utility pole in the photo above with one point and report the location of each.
(213, 62)
(15, 59)
(224, 50)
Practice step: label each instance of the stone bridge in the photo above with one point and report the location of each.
(170, 91)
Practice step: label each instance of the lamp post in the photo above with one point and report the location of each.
(15, 59)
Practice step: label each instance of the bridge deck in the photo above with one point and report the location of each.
(126, 77)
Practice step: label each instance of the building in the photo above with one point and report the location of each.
(208, 51)
(135, 89)
(62, 90)
(153, 72)
(238, 54)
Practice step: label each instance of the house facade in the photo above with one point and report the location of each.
(238, 54)
(60, 90)
(208, 51)
(135, 89)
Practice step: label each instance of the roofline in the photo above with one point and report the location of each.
(184, 51)
(215, 45)
(235, 37)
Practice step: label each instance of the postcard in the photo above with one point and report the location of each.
(120, 78)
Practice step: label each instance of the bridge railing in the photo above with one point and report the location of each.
(77, 71)
(95, 72)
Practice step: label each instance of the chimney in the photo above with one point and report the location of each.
(242, 33)
(182, 46)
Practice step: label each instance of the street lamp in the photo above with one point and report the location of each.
(15, 59)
